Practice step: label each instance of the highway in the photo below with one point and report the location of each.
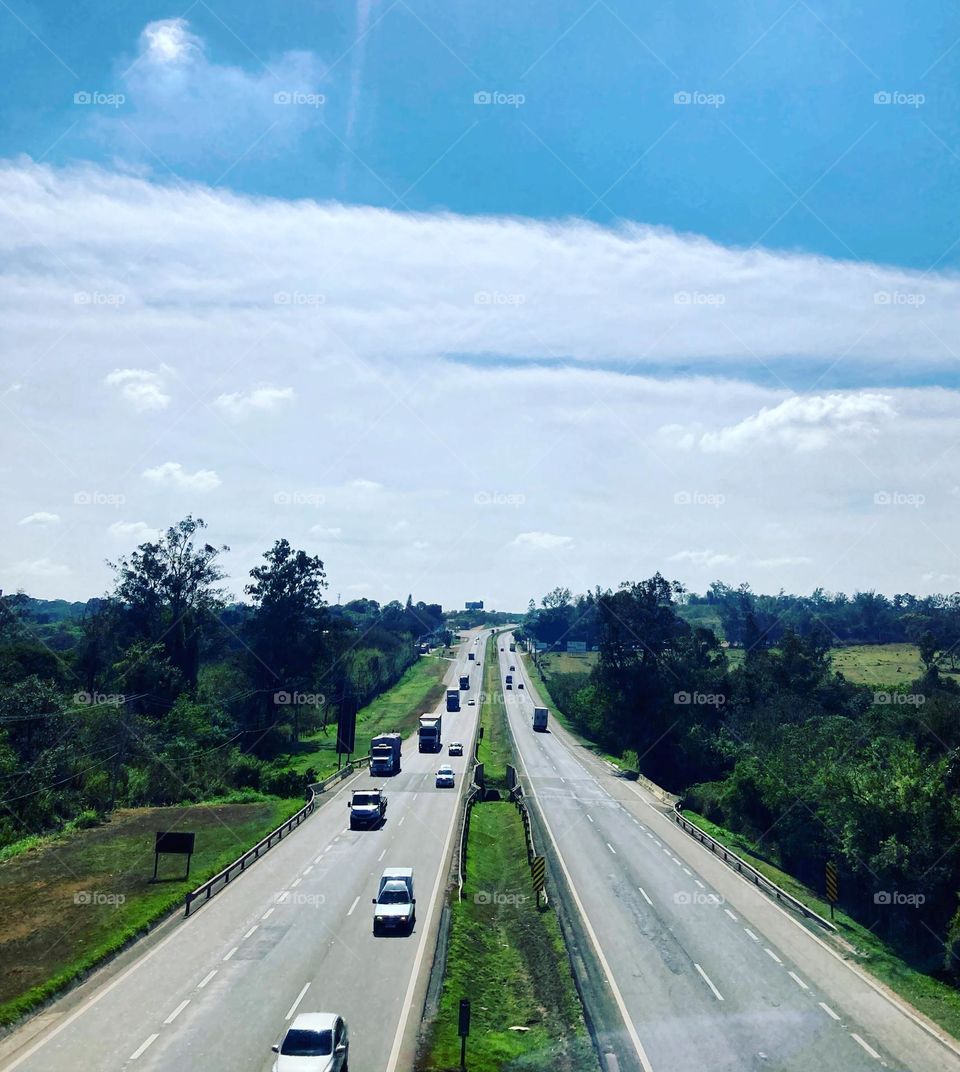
(294, 934)
(708, 972)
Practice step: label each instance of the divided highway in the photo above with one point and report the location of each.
(708, 973)
(292, 935)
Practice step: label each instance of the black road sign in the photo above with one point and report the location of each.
(173, 843)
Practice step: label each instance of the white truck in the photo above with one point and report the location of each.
(428, 734)
(385, 754)
(395, 907)
(540, 716)
(368, 808)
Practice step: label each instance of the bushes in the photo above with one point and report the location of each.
(284, 782)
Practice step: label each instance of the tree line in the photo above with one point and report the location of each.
(167, 690)
(782, 748)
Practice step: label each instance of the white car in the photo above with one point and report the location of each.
(445, 777)
(471, 703)
(455, 749)
(314, 1042)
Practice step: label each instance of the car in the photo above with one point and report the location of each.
(501, 649)
(445, 777)
(314, 1042)
(519, 684)
(512, 667)
(455, 749)
(471, 703)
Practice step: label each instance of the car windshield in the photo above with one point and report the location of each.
(300, 1043)
(395, 896)
(365, 798)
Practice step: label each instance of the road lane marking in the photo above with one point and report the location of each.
(752, 935)
(873, 1053)
(381, 856)
(267, 914)
(611, 848)
(402, 817)
(139, 1051)
(770, 953)
(307, 870)
(206, 979)
(826, 1008)
(296, 882)
(700, 884)
(687, 870)
(354, 905)
(415, 795)
(176, 1012)
(730, 914)
(252, 929)
(232, 951)
(796, 978)
(293, 1007)
(590, 817)
(645, 897)
(706, 979)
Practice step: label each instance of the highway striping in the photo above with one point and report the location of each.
(706, 979)
(826, 1008)
(354, 905)
(590, 817)
(770, 953)
(307, 870)
(296, 882)
(700, 884)
(176, 1012)
(796, 978)
(688, 871)
(206, 979)
(232, 951)
(293, 1007)
(645, 897)
(730, 914)
(611, 848)
(865, 1045)
(139, 1051)
(252, 929)
(402, 817)
(267, 914)
(381, 856)
(752, 935)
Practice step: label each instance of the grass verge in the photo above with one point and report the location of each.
(69, 902)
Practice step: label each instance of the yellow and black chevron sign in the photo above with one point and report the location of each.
(833, 887)
(538, 869)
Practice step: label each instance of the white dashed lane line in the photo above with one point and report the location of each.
(252, 929)
(299, 998)
(706, 979)
(381, 856)
(139, 1051)
(354, 905)
(590, 817)
(752, 935)
(770, 953)
(826, 1008)
(267, 914)
(206, 979)
(700, 884)
(873, 1053)
(645, 897)
(796, 978)
(730, 914)
(176, 1012)
(611, 848)
(232, 951)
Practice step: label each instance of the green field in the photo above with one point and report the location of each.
(569, 662)
(73, 899)
(395, 711)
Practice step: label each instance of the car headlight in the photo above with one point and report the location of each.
(380, 919)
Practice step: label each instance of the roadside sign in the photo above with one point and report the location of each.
(832, 885)
(173, 843)
(538, 869)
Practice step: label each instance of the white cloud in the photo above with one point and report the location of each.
(172, 474)
(330, 533)
(783, 560)
(169, 41)
(809, 423)
(541, 541)
(40, 568)
(710, 559)
(143, 389)
(41, 517)
(262, 399)
(136, 531)
(366, 485)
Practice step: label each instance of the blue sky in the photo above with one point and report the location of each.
(797, 155)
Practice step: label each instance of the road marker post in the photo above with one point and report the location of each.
(832, 885)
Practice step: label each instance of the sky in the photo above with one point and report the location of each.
(476, 301)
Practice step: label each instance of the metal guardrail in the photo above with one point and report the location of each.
(516, 795)
(237, 868)
(759, 879)
(468, 805)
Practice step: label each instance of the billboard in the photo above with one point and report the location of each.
(478, 605)
(576, 645)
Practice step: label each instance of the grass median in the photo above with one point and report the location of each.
(505, 954)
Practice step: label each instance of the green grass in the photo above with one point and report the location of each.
(395, 711)
(935, 999)
(495, 750)
(509, 959)
(877, 664)
(52, 933)
(570, 662)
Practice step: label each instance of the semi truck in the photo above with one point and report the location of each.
(395, 907)
(464, 682)
(540, 715)
(368, 808)
(509, 681)
(453, 700)
(385, 753)
(428, 735)
(472, 657)
(513, 647)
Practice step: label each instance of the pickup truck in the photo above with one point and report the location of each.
(368, 808)
(395, 907)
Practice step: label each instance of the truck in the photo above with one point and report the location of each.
(509, 681)
(453, 701)
(540, 716)
(513, 647)
(368, 808)
(428, 735)
(395, 907)
(464, 682)
(385, 753)
(472, 657)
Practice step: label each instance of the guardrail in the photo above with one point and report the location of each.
(759, 879)
(516, 795)
(237, 868)
(468, 805)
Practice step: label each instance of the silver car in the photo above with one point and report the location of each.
(445, 777)
(314, 1042)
